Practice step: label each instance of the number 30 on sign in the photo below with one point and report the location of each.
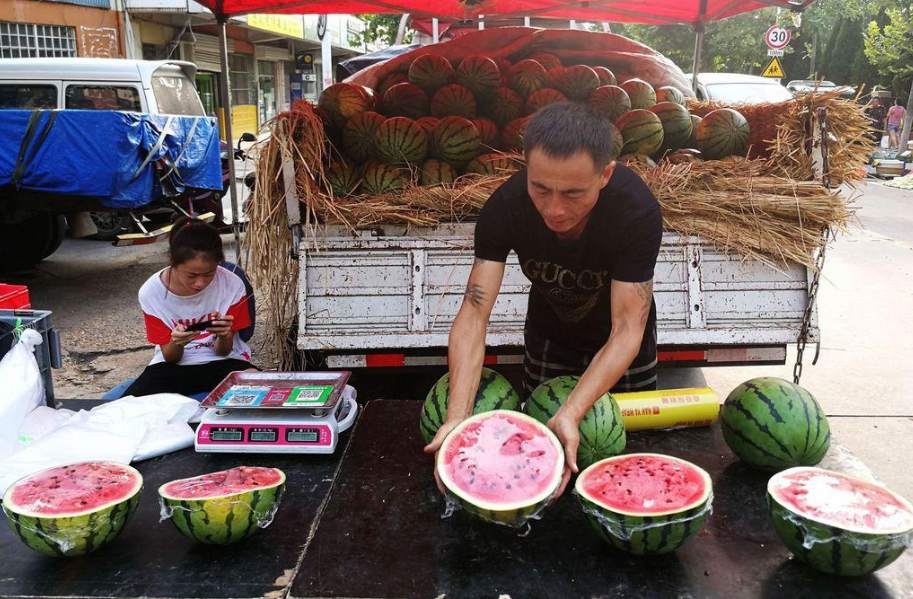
(777, 37)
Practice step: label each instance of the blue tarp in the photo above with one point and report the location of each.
(100, 154)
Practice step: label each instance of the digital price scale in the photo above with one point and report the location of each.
(277, 412)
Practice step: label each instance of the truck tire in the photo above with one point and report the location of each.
(110, 224)
(28, 242)
(58, 232)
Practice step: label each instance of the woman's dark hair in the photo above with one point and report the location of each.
(563, 129)
(192, 237)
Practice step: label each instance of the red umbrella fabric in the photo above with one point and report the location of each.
(618, 11)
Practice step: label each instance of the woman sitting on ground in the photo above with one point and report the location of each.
(194, 289)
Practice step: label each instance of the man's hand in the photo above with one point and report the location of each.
(566, 428)
(441, 435)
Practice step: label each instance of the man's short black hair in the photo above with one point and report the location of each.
(564, 129)
(898, 102)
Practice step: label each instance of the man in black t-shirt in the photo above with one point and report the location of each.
(587, 232)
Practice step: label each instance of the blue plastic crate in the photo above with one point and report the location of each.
(47, 354)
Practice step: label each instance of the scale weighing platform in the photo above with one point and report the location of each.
(277, 412)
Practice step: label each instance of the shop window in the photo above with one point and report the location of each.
(28, 40)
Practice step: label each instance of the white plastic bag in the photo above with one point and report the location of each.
(23, 389)
(113, 431)
(885, 142)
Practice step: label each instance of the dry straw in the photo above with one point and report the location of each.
(769, 206)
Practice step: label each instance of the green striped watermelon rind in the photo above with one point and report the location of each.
(722, 133)
(646, 535)
(69, 536)
(602, 430)
(434, 411)
(225, 519)
(512, 516)
(642, 132)
(760, 434)
(832, 549)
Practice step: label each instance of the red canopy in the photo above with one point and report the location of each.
(618, 11)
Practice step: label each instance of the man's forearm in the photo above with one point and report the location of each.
(604, 372)
(466, 351)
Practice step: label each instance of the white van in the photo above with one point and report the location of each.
(155, 87)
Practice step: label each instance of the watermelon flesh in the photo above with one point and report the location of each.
(75, 509)
(842, 501)
(73, 490)
(226, 482)
(223, 507)
(836, 523)
(645, 503)
(501, 466)
(646, 486)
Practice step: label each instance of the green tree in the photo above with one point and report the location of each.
(382, 29)
(890, 49)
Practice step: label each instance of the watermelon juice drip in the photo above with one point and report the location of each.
(69, 489)
(645, 486)
(502, 461)
(841, 501)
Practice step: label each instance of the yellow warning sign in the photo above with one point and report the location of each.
(773, 69)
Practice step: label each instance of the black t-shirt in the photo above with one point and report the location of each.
(571, 280)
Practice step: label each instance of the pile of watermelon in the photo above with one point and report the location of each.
(436, 119)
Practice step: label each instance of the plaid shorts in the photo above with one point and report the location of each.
(545, 359)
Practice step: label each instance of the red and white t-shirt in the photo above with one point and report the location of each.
(163, 311)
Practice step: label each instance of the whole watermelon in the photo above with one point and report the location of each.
(641, 93)
(677, 127)
(642, 132)
(495, 393)
(578, 82)
(505, 106)
(722, 133)
(491, 165)
(667, 93)
(453, 100)
(488, 131)
(436, 172)
(391, 80)
(543, 97)
(405, 99)
(773, 424)
(480, 75)
(606, 77)
(359, 133)
(549, 61)
(611, 101)
(431, 72)
(342, 178)
(526, 77)
(602, 431)
(400, 140)
(342, 101)
(512, 134)
(379, 178)
(455, 140)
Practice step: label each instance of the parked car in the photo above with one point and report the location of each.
(803, 86)
(152, 87)
(734, 88)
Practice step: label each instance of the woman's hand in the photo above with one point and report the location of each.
(221, 326)
(181, 337)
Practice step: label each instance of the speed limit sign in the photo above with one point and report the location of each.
(777, 37)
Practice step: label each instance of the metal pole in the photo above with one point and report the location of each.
(481, 22)
(698, 44)
(226, 117)
(698, 49)
(326, 57)
(435, 31)
(526, 21)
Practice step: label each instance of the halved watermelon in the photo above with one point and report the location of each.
(645, 503)
(223, 507)
(501, 466)
(836, 523)
(73, 510)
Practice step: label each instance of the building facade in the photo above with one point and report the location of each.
(273, 59)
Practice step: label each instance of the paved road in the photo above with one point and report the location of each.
(862, 379)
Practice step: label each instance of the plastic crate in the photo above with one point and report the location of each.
(47, 354)
(14, 297)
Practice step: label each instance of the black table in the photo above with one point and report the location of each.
(151, 558)
(381, 536)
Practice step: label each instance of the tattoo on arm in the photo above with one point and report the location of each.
(478, 262)
(645, 290)
(475, 295)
